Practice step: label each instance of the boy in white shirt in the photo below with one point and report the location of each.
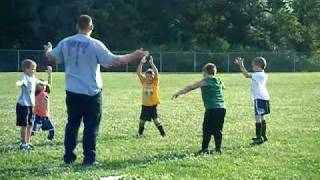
(26, 102)
(260, 95)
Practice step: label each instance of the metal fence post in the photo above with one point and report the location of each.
(57, 67)
(18, 59)
(228, 55)
(194, 61)
(160, 58)
(294, 63)
(127, 67)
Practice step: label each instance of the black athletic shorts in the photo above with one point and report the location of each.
(261, 107)
(24, 115)
(148, 113)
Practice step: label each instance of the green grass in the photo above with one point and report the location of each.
(293, 151)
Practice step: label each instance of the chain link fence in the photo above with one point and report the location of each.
(10, 61)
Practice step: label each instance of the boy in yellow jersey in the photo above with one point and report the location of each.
(150, 96)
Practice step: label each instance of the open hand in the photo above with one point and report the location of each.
(239, 61)
(175, 96)
(143, 60)
(19, 83)
(140, 53)
(48, 47)
(49, 69)
(151, 60)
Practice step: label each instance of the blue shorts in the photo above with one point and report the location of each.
(261, 107)
(41, 123)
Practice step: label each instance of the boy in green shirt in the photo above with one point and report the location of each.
(213, 100)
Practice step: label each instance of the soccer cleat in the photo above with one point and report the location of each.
(140, 135)
(25, 147)
(205, 152)
(218, 151)
(161, 130)
(263, 130)
(51, 135)
(263, 138)
(257, 141)
(90, 163)
(140, 131)
(68, 160)
(30, 146)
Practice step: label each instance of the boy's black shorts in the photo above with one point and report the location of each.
(41, 123)
(24, 115)
(261, 107)
(148, 113)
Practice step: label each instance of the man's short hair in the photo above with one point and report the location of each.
(84, 21)
(27, 63)
(260, 61)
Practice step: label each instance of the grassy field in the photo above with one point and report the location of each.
(292, 152)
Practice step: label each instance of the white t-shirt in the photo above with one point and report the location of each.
(28, 88)
(258, 88)
(82, 56)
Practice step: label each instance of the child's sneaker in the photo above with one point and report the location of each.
(263, 138)
(30, 146)
(25, 147)
(205, 152)
(51, 135)
(257, 141)
(140, 136)
(218, 151)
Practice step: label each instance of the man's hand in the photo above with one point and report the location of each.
(49, 69)
(48, 47)
(140, 53)
(176, 95)
(239, 61)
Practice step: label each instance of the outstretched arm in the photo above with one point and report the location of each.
(139, 69)
(154, 67)
(189, 88)
(127, 58)
(47, 50)
(19, 83)
(49, 71)
(244, 71)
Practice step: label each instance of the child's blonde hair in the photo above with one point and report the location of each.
(27, 63)
(210, 69)
(260, 61)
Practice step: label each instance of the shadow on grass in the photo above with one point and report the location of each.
(16, 147)
(42, 171)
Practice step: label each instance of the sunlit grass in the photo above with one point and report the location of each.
(291, 153)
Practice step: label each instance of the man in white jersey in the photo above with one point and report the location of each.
(260, 95)
(82, 56)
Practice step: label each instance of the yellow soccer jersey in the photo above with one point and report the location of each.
(150, 95)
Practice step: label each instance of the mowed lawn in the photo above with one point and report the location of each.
(292, 152)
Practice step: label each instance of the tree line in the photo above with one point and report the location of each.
(179, 25)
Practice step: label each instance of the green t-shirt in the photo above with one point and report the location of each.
(212, 94)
